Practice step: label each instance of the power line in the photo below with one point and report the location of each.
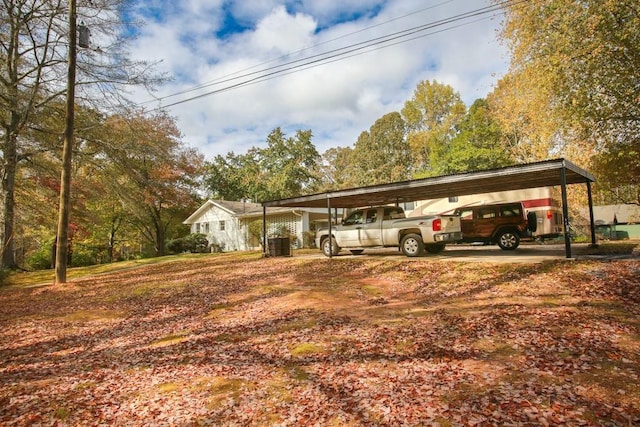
(291, 54)
(342, 53)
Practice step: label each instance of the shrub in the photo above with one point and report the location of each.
(194, 243)
(40, 259)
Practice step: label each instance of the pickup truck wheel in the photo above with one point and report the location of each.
(508, 240)
(434, 248)
(329, 250)
(412, 245)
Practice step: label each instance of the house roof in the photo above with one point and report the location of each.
(233, 208)
(237, 209)
(531, 175)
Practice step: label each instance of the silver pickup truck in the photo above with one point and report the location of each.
(388, 226)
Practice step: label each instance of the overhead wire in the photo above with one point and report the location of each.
(291, 54)
(338, 54)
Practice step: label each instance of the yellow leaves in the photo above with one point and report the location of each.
(93, 315)
(306, 349)
(171, 339)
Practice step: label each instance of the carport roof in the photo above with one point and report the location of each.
(531, 175)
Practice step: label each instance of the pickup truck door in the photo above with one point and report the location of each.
(371, 233)
(349, 234)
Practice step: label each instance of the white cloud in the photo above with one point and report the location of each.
(336, 100)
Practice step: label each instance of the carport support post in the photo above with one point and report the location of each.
(592, 222)
(565, 210)
(330, 238)
(264, 230)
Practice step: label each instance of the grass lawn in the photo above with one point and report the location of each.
(237, 339)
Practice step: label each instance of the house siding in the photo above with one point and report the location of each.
(237, 218)
(209, 224)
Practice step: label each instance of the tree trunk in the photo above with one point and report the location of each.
(9, 168)
(62, 253)
(160, 236)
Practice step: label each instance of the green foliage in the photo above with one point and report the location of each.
(477, 146)
(336, 169)
(285, 168)
(193, 243)
(432, 117)
(41, 259)
(382, 154)
(256, 233)
(84, 256)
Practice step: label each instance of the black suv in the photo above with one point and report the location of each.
(503, 223)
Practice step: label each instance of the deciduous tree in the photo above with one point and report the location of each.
(382, 154)
(154, 175)
(286, 167)
(336, 171)
(33, 45)
(477, 146)
(432, 117)
(577, 62)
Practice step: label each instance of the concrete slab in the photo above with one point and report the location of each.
(525, 253)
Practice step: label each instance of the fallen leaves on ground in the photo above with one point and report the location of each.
(244, 340)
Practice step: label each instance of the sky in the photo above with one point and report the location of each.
(241, 68)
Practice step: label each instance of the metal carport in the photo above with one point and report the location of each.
(531, 175)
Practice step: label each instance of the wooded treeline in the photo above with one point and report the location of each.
(133, 177)
(572, 90)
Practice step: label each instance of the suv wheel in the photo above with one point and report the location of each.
(508, 240)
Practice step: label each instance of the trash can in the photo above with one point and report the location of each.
(279, 246)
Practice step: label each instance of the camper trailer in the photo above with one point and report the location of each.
(541, 201)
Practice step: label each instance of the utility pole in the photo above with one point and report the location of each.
(62, 240)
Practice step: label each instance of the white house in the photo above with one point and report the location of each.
(226, 223)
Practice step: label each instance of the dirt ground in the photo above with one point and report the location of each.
(238, 339)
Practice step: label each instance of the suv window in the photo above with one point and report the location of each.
(486, 213)
(512, 210)
(465, 214)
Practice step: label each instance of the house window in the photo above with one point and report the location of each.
(197, 227)
(453, 199)
(205, 228)
(222, 225)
